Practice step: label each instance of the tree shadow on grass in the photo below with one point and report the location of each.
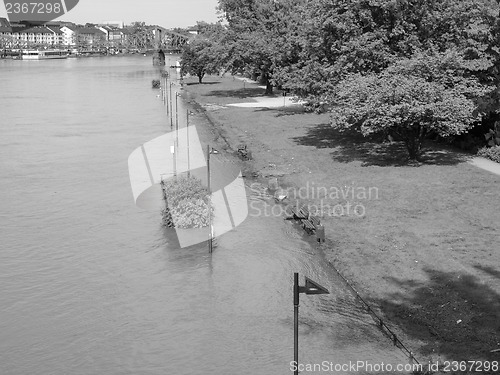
(289, 110)
(203, 83)
(453, 314)
(248, 92)
(488, 270)
(350, 145)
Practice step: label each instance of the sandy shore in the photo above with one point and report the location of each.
(419, 242)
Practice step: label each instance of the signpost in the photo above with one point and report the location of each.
(187, 135)
(171, 116)
(210, 226)
(172, 151)
(176, 120)
(311, 287)
(210, 242)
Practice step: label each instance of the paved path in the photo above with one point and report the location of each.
(273, 102)
(486, 164)
(268, 102)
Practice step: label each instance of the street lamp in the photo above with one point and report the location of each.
(210, 232)
(187, 139)
(176, 119)
(311, 287)
(172, 151)
(171, 120)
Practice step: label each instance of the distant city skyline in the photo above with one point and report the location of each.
(165, 13)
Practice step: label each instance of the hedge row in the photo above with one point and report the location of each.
(187, 203)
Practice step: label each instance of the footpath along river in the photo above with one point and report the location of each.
(91, 284)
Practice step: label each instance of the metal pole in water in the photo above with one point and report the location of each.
(171, 115)
(176, 120)
(164, 89)
(187, 135)
(166, 94)
(296, 322)
(209, 203)
(172, 151)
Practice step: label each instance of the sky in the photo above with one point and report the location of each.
(165, 13)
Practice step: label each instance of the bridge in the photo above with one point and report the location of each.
(147, 38)
(169, 40)
(157, 37)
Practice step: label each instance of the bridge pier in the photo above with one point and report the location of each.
(159, 58)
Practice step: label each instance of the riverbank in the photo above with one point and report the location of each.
(418, 242)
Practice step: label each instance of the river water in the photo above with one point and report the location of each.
(91, 284)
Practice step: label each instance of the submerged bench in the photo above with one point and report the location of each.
(309, 223)
(308, 226)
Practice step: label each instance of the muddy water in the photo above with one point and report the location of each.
(90, 284)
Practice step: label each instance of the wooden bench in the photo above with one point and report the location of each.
(309, 223)
(304, 213)
(314, 220)
(298, 213)
(308, 226)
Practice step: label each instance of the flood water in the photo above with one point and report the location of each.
(91, 284)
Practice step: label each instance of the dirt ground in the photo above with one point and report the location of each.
(420, 242)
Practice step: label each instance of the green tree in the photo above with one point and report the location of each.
(411, 99)
(199, 57)
(257, 36)
(337, 38)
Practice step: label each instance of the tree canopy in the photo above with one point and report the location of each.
(204, 54)
(410, 100)
(405, 67)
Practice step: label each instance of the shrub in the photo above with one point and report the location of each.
(493, 136)
(191, 213)
(492, 153)
(188, 203)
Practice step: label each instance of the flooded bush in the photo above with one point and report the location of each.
(187, 203)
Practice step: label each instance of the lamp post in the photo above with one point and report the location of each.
(172, 151)
(171, 120)
(210, 228)
(164, 89)
(176, 120)
(166, 92)
(187, 136)
(210, 244)
(311, 287)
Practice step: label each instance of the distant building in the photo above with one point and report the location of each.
(4, 23)
(117, 24)
(115, 36)
(84, 37)
(69, 36)
(58, 34)
(6, 40)
(36, 36)
(5, 27)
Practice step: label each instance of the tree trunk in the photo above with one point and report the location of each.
(200, 73)
(267, 81)
(414, 139)
(414, 149)
(269, 88)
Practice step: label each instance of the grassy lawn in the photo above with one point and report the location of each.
(426, 251)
